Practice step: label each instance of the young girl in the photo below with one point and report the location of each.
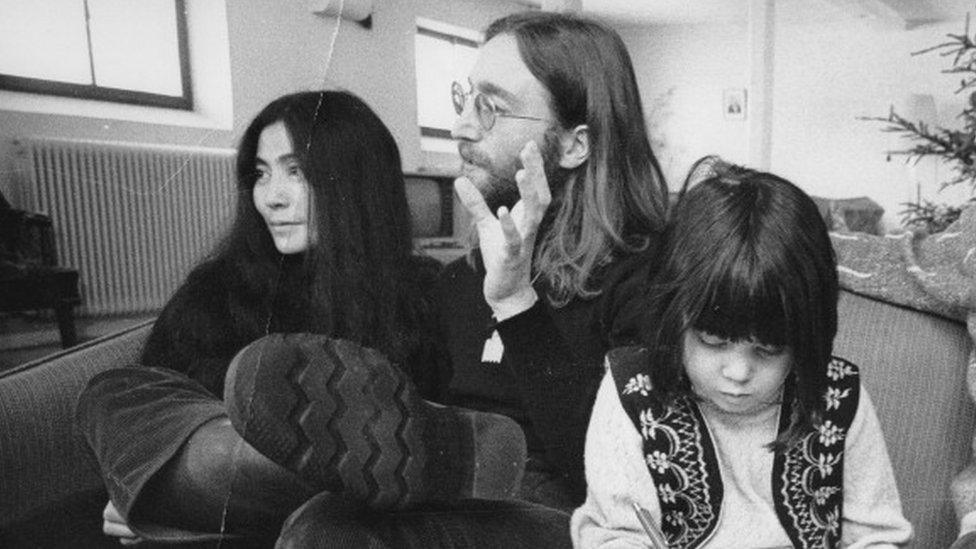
(734, 426)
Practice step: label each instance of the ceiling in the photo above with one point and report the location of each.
(900, 13)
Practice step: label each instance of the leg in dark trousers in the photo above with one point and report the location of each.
(328, 520)
(174, 467)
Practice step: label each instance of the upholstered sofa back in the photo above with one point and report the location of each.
(914, 366)
(45, 464)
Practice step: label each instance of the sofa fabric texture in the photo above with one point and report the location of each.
(44, 460)
(914, 366)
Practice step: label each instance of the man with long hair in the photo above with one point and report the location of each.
(568, 201)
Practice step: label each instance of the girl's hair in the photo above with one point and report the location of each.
(353, 280)
(617, 199)
(747, 255)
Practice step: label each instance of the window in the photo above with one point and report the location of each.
(112, 50)
(443, 54)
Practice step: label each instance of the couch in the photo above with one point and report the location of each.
(912, 362)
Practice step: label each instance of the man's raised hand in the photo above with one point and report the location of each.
(507, 239)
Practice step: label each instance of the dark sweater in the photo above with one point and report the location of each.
(553, 357)
(209, 319)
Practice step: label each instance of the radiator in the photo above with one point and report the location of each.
(133, 219)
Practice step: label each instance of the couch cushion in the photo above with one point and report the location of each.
(44, 461)
(914, 366)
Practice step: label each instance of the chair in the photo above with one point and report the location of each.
(30, 278)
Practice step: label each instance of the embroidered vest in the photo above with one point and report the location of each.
(807, 481)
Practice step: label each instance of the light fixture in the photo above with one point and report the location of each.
(360, 11)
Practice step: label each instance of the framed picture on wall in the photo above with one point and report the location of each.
(734, 103)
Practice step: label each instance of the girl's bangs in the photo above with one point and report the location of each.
(744, 302)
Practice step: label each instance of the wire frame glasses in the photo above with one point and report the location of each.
(484, 107)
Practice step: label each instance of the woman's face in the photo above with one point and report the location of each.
(281, 192)
(739, 377)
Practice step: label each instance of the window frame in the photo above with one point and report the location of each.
(424, 28)
(115, 95)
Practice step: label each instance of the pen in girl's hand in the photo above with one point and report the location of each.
(647, 521)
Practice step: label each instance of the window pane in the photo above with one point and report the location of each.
(464, 58)
(439, 62)
(435, 60)
(135, 45)
(44, 40)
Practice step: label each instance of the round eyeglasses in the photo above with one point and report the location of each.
(484, 107)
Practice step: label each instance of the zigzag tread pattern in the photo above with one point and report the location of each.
(298, 456)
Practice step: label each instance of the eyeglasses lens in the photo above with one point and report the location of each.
(458, 97)
(485, 111)
(482, 105)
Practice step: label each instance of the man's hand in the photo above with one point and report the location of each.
(507, 239)
(114, 525)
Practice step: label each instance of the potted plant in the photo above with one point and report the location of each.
(954, 147)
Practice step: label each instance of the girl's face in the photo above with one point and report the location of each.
(281, 192)
(738, 377)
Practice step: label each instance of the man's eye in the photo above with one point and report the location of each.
(294, 170)
(484, 103)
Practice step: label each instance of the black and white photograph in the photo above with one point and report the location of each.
(502, 274)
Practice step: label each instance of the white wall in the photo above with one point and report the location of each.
(681, 76)
(277, 47)
(826, 76)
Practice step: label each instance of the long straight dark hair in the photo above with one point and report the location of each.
(617, 199)
(747, 255)
(355, 279)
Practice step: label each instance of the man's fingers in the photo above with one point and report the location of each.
(533, 183)
(513, 240)
(110, 513)
(121, 531)
(115, 526)
(471, 198)
(117, 530)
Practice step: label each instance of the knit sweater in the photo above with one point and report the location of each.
(617, 476)
(209, 319)
(545, 364)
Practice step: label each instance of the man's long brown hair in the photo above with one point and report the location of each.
(614, 201)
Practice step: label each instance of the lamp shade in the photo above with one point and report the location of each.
(919, 107)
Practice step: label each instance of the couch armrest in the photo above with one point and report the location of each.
(914, 366)
(44, 460)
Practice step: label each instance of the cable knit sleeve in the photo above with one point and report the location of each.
(872, 509)
(616, 476)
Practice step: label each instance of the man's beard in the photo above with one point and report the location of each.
(499, 187)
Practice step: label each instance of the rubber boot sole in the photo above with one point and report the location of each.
(347, 420)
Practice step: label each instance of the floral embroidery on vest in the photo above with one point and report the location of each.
(807, 478)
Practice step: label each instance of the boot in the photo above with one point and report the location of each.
(347, 420)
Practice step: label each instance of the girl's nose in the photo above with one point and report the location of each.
(737, 368)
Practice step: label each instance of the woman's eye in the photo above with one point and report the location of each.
(294, 170)
(260, 175)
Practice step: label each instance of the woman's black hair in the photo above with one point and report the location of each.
(747, 255)
(352, 282)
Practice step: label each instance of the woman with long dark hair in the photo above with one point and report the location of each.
(317, 270)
